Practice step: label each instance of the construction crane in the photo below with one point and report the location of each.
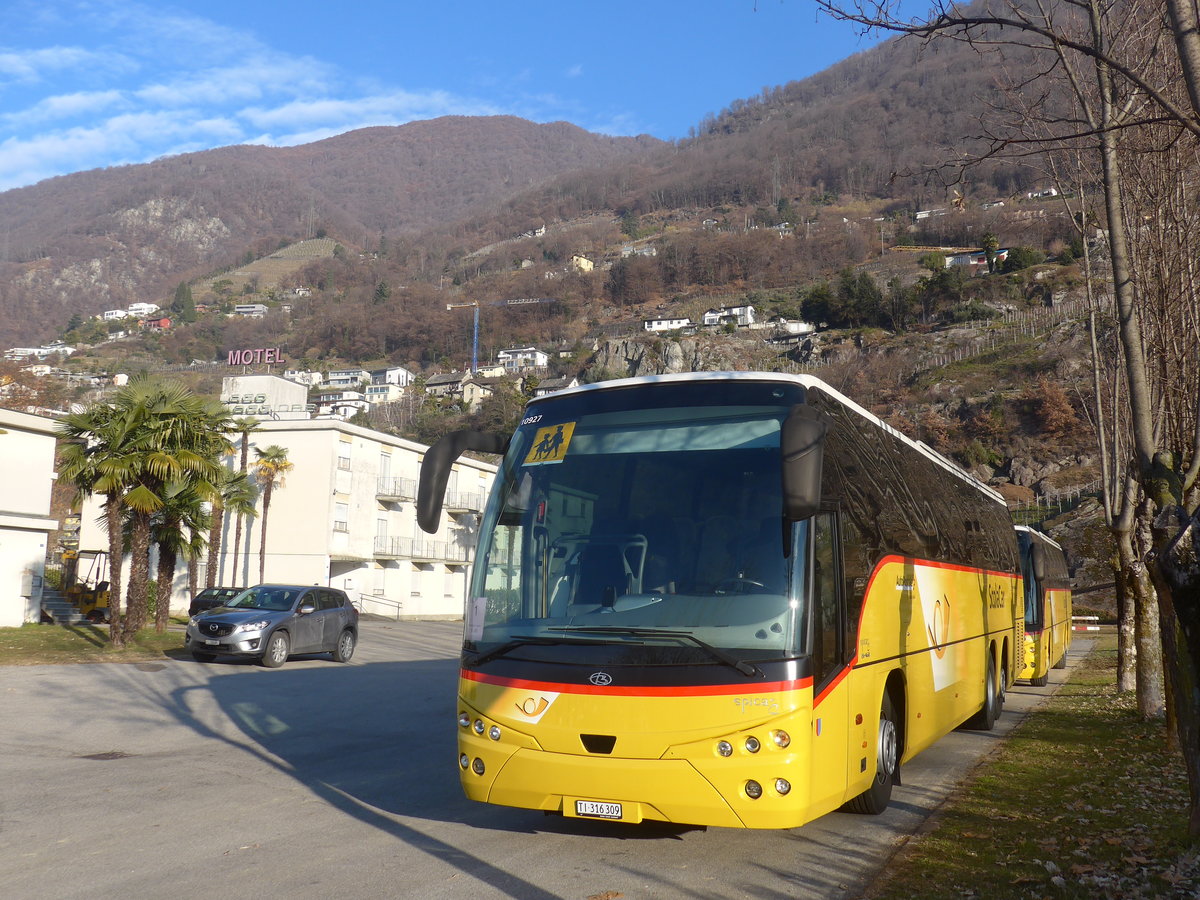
(474, 304)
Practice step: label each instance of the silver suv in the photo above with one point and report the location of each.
(273, 621)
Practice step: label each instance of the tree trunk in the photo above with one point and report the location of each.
(139, 574)
(116, 559)
(1176, 574)
(166, 578)
(1126, 629)
(214, 546)
(1151, 696)
(262, 547)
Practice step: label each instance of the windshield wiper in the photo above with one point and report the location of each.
(524, 640)
(746, 668)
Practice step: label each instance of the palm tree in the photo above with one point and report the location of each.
(271, 468)
(244, 427)
(237, 496)
(178, 527)
(179, 436)
(94, 459)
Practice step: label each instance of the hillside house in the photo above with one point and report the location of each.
(158, 324)
(642, 250)
(741, 316)
(476, 389)
(519, 359)
(383, 393)
(975, 260)
(397, 375)
(449, 385)
(581, 263)
(668, 324)
(303, 376)
(111, 314)
(253, 310)
(550, 385)
(347, 378)
(141, 310)
(340, 404)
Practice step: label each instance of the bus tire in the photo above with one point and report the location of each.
(874, 800)
(985, 719)
(1061, 662)
(1040, 681)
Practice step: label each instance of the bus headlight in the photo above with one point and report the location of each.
(724, 748)
(464, 761)
(464, 720)
(752, 744)
(494, 732)
(479, 726)
(477, 766)
(753, 790)
(781, 738)
(782, 786)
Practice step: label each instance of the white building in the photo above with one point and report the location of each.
(397, 375)
(345, 516)
(255, 310)
(340, 404)
(351, 378)
(730, 315)
(384, 393)
(303, 376)
(110, 314)
(519, 358)
(265, 397)
(654, 325)
(137, 310)
(27, 445)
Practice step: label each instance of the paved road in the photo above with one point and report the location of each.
(184, 780)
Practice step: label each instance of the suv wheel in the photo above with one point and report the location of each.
(276, 652)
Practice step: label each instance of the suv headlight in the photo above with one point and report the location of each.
(254, 626)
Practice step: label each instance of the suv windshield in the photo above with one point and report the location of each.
(273, 599)
(641, 525)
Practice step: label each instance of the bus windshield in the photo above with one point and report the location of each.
(641, 525)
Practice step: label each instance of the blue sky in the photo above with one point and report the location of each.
(92, 83)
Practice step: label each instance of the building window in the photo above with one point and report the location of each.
(341, 517)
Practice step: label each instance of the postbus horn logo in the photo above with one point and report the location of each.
(939, 628)
(600, 678)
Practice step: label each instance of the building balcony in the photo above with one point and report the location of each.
(396, 489)
(419, 550)
(461, 502)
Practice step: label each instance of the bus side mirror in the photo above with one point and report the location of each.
(435, 470)
(802, 448)
(1037, 555)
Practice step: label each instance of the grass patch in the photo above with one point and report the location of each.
(33, 645)
(1084, 800)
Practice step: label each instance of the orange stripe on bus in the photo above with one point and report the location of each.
(682, 690)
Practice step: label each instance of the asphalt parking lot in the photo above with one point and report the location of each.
(186, 779)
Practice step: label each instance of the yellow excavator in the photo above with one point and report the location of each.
(87, 584)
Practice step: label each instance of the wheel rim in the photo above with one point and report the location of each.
(887, 749)
(346, 645)
(278, 649)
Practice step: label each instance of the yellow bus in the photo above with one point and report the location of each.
(1047, 605)
(727, 599)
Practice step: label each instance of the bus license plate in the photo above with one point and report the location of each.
(597, 810)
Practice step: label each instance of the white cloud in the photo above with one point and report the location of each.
(33, 65)
(334, 115)
(64, 106)
(574, 72)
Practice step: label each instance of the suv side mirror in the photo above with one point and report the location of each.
(802, 450)
(435, 470)
(307, 609)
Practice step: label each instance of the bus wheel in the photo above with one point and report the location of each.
(875, 799)
(1062, 661)
(985, 719)
(1040, 681)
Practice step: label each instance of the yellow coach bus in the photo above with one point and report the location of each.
(1047, 605)
(728, 599)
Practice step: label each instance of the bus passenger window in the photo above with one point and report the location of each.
(826, 652)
